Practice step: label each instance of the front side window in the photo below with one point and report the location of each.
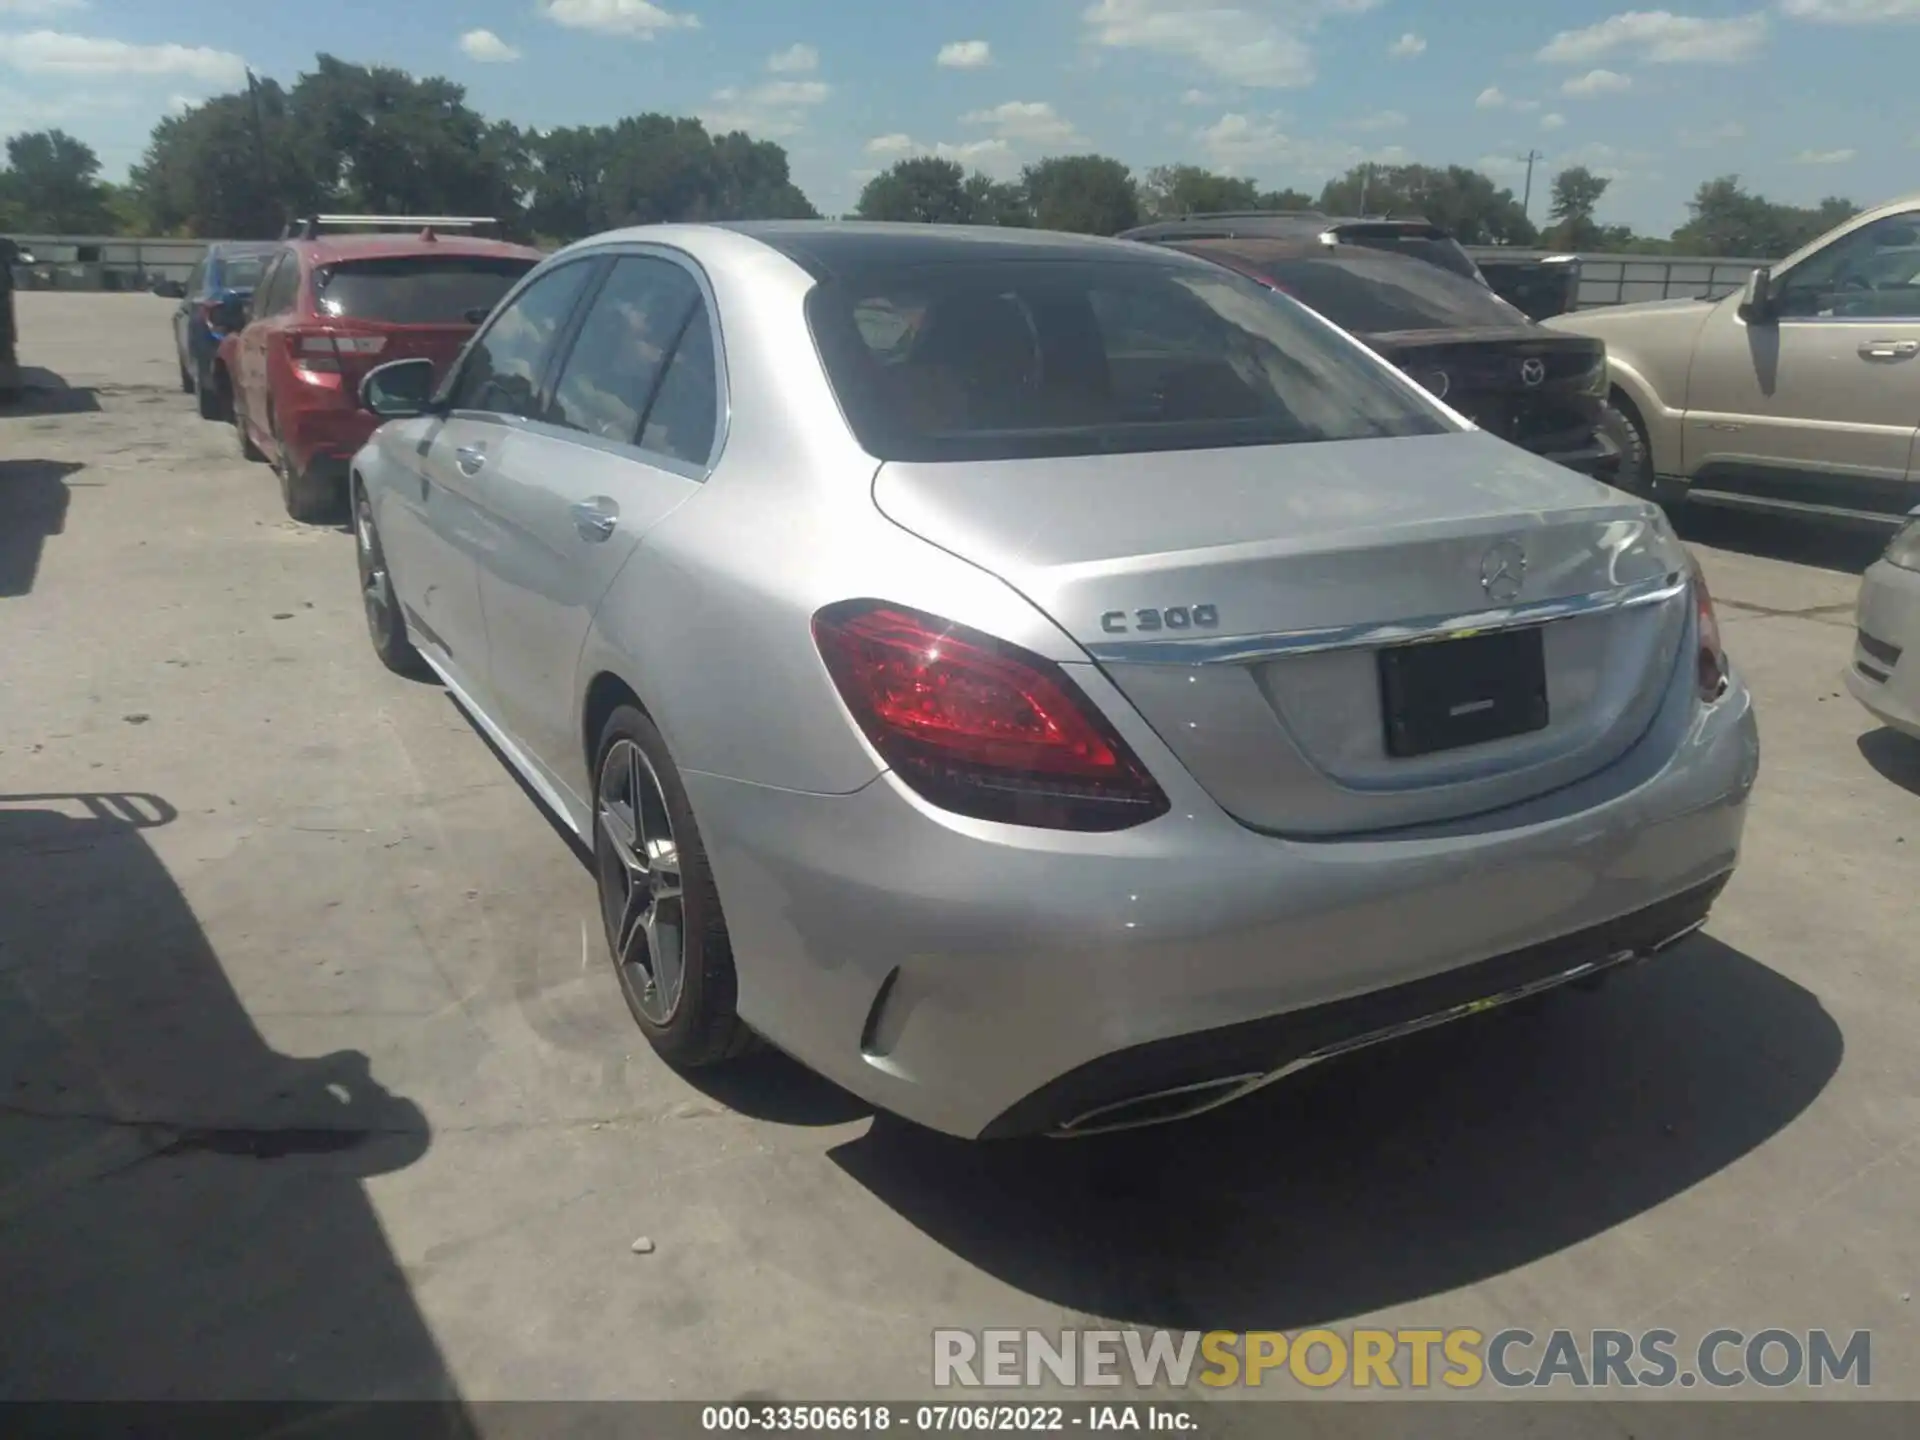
(1873, 274)
(1006, 360)
(616, 363)
(502, 370)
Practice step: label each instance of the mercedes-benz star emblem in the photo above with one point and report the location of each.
(1532, 371)
(1503, 571)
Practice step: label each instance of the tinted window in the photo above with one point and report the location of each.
(1003, 360)
(240, 272)
(418, 289)
(685, 411)
(1442, 251)
(1873, 273)
(502, 368)
(622, 348)
(1369, 296)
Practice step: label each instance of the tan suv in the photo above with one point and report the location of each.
(1800, 395)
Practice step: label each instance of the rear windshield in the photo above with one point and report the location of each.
(1370, 296)
(419, 289)
(1436, 249)
(240, 272)
(1013, 360)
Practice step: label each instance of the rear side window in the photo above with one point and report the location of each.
(1008, 360)
(685, 413)
(196, 282)
(283, 283)
(623, 346)
(418, 289)
(1372, 296)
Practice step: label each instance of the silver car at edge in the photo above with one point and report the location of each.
(1044, 684)
(1884, 674)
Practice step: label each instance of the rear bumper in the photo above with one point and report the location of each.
(1884, 673)
(987, 980)
(322, 428)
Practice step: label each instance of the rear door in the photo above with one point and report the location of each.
(627, 432)
(439, 528)
(272, 302)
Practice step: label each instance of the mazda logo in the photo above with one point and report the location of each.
(1503, 571)
(1532, 371)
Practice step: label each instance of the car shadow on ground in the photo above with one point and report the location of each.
(33, 508)
(1777, 537)
(42, 392)
(1895, 756)
(182, 1214)
(1389, 1175)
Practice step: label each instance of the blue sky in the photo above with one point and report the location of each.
(1804, 98)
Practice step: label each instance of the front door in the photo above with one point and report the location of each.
(1820, 405)
(439, 528)
(629, 430)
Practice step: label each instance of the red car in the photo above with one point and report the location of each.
(326, 309)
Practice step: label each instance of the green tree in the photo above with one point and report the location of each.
(1728, 219)
(234, 167)
(1576, 193)
(1170, 191)
(1090, 194)
(924, 189)
(51, 183)
(1284, 200)
(996, 202)
(1465, 202)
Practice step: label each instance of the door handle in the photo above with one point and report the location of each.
(1889, 349)
(596, 519)
(470, 458)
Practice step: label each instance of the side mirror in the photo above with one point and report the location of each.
(398, 389)
(1757, 297)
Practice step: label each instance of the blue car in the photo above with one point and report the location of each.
(228, 271)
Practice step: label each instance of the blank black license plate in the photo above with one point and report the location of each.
(1444, 694)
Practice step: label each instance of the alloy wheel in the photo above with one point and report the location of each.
(641, 898)
(375, 593)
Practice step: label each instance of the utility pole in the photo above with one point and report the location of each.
(259, 139)
(1366, 178)
(1526, 198)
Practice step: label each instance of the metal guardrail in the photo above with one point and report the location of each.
(1612, 279)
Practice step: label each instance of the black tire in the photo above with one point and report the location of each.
(248, 450)
(210, 397)
(311, 499)
(386, 626)
(186, 381)
(699, 1026)
(1635, 475)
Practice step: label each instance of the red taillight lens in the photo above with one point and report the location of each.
(321, 351)
(1711, 661)
(981, 727)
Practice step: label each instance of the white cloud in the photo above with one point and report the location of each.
(1028, 122)
(1706, 139)
(1256, 145)
(993, 155)
(487, 47)
(1849, 12)
(1824, 157)
(794, 60)
(636, 18)
(1661, 37)
(180, 104)
(964, 55)
(895, 144)
(1552, 121)
(1242, 43)
(1196, 97)
(48, 53)
(772, 111)
(1407, 45)
(1378, 121)
(36, 8)
(1597, 82)
(1490, 99)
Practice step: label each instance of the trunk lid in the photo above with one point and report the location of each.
(1524, 384)
(1241, 599)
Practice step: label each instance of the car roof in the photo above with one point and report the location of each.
(331, 249)
(1259, 249)
(1274, 224)
(826, 248)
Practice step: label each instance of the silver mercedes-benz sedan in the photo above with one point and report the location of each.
(1044, 684)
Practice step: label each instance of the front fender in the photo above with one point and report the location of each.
(1662, 422)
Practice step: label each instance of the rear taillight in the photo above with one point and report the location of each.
(1710, 663)
(981, 727)
(321, 351)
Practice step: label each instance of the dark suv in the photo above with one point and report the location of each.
(1420, 239)
(1513, 378)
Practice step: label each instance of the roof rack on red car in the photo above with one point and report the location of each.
(310, 228)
